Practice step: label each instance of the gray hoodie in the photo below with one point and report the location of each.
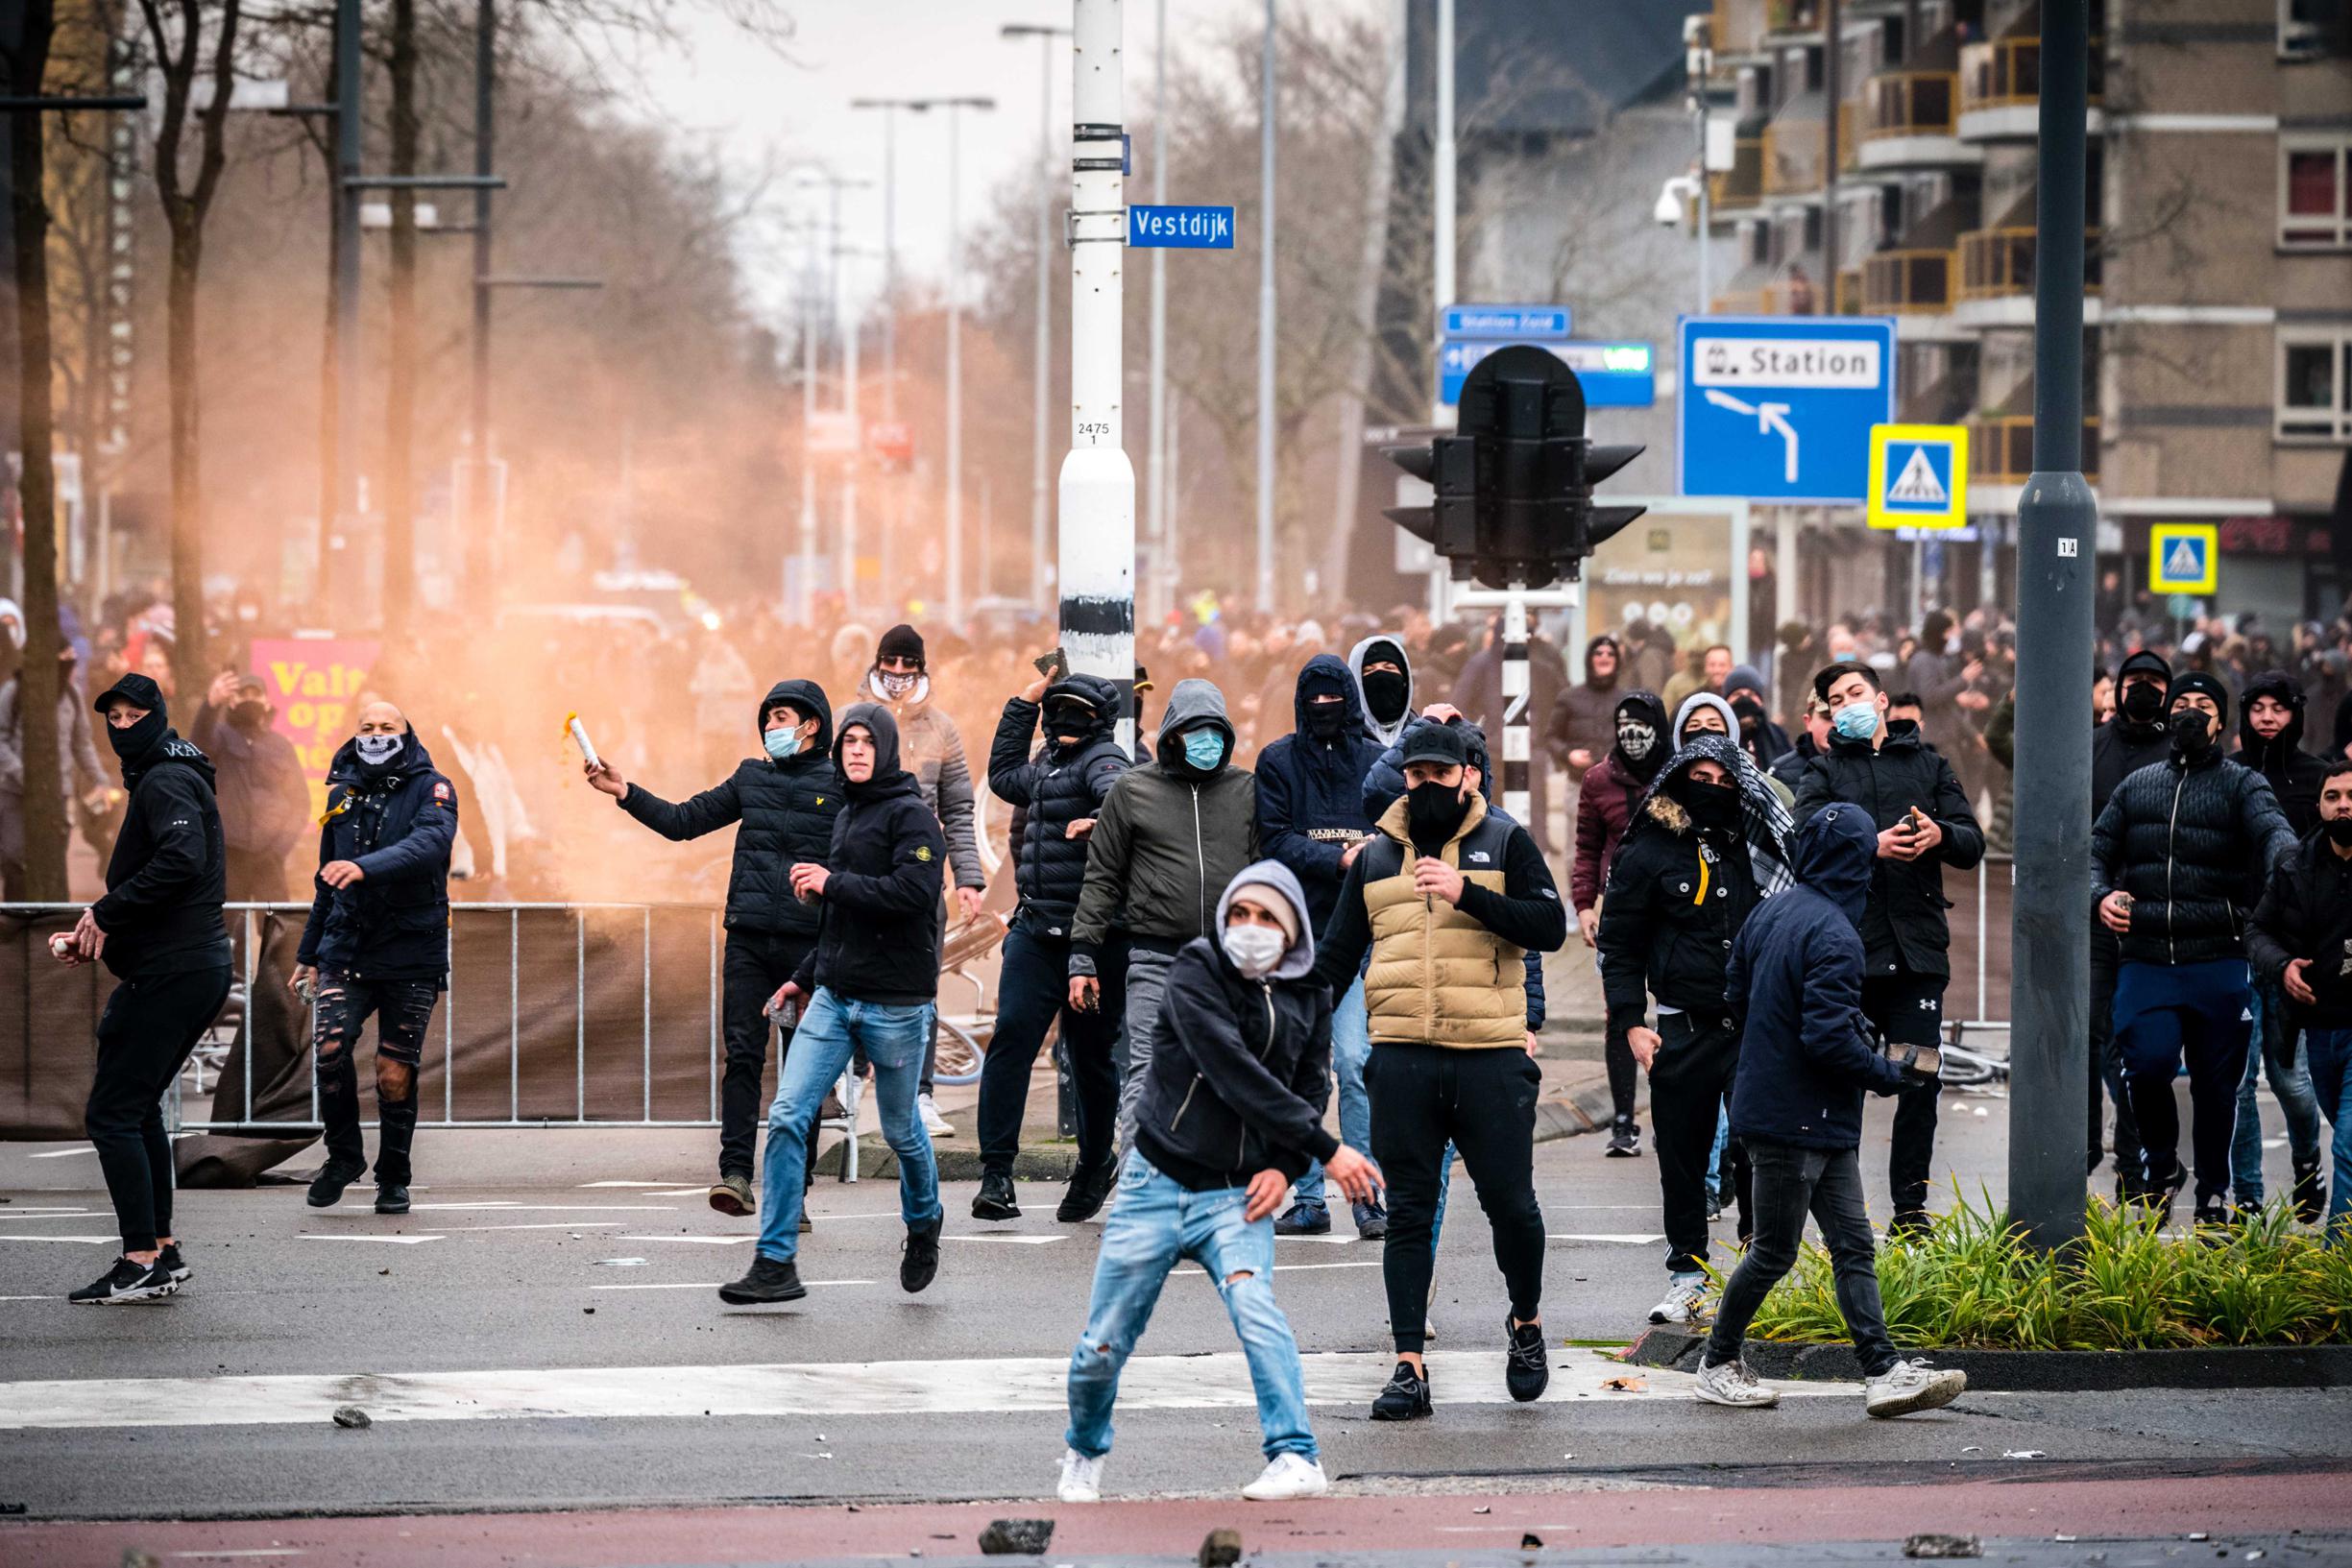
(1385, 733)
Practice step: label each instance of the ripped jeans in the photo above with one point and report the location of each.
(403, 1009)
(1155, 1224)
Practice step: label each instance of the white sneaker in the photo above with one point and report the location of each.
(1287, 1476)
(933, 1121)
(1081, 1478)
(1686, 1300)
(1733, 1384)
(1911, 1386)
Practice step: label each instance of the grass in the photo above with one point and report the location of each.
(1971, 1282)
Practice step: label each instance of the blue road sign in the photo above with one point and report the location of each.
(1507, 324)
(1780, 408)
(1180, 228)
(1613, 374)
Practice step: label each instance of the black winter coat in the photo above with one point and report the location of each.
(1311, 792)
(2194, 844)
(2294, 774)
(787, 809)
(168, 876)
(1904, 921)
(2306, 912)
(878, 939)
(1052, 788)
(1677, 898)
(394, 923)
(2120, 749)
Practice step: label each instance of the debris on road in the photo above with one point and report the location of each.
(352, 1418)
(1929, 1544)
(1221, 1548)
(1626, 1386)
(2023, 1454)
(1015, 1537)
(1530, 1541)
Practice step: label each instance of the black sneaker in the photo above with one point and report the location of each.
(2159, 1193)
(127, 1281)
(1304, 1219)
(172, 1264)
(996, 1199)
(2310, 1191)
(1372, 1221)
(327, 1187)
(2216, 1215)
(1625, 1139)
(768, 1283)
(1088, 1191)
(1526, 1371)
(1406, 1398)
(1909, 1224)
(918, 1263)
(391, 1197)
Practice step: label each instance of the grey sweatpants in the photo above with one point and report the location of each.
(1147, 987)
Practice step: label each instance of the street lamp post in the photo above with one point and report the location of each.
(1039, 504)
(1265, 317)
(1156, 502)
(954, 519)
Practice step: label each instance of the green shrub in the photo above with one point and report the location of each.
(1972, 1282)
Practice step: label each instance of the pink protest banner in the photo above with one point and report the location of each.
(315, 685)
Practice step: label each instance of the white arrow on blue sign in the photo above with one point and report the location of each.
(1180, 228)
(1780, 408)
(1613, 374)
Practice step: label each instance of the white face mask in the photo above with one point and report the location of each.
(1255, 949)
(376, 750)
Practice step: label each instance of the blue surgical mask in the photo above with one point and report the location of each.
(1856, 720)
(1204, 748)
(782, 744)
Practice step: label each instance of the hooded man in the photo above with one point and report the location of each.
(264, 798)
(158, 929)
(2179, 856)
(1061, 790)
(1603, 808)
(786, 799)
(2129, 742)
(869, 984)
(1231, 1116)
(1710, 843)
(1794, 989)
(1764, 741)
(1583, 721)
(1169, 834)
(377, 943)
(900, 678)
(1384, 679)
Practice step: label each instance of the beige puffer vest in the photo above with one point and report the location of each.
(1437, 978)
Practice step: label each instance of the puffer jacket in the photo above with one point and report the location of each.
(399, 827)
(1052, 788)
(1310, 802)
(1239, 1082)
(1167, 840)
(2307, 913)
(877, 940)
(934, 755)
(1677, 898)
(787, 810)
(1905, 922)
(2294, 774)
(2193, 843)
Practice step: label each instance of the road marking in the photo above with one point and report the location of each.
(1630, 1237)
(681, 1192)
(1036, 1384)
(31, 1298)
(245, 1552)
(697, 1284)
(356, 1235)
(60, 1238)
(15, 1212)
(511, 1207)
(587, 1184)
(61, 1153)
(1016, 1240)
(552, 1225)
(1310, 1268)
(699, 1240)
(1326, 1240)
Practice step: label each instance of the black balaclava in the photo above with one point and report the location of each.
(1642, 724)
(1433, 812)
(2189, 742)
(1386, 691)
(132, 744)
(1712, 808)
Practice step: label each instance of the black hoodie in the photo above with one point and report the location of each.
(787, 809)
(878, 940)
(395, 823)
(2121, 748)
(169, 873)
(2295, 774)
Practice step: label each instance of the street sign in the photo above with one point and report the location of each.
(1918, 476)
(1506, 324)
(1780, 408)
(1179, 228)
(2184, 558)
(1614, 374)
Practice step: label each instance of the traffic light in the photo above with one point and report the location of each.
(1512, 501)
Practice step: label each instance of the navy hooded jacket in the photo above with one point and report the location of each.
(1795, 984)
(395, 826)
(878, 937)
(1311, 792)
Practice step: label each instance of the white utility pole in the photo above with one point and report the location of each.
(1097, 483)
(804, 593)
(1162, 586)
(1266, 318)
(1039, 505)
(848, 584)
(954, 522)
(1442, 238)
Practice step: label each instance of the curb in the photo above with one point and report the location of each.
(2034, 1371)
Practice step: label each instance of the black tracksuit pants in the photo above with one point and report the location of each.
(1908, 1008)
(1689, 1079)
(1484, 1101)
(1033, 990)
(755, 966)
(144, 1036)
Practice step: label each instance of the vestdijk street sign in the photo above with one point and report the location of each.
(1614, 375)
(1779, 409)
(2184, 558)
(1918, 477)
(1179, 228)
(1506, 324)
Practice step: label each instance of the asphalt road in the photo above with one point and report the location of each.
(510, 1359)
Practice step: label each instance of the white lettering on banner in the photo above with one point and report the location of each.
(1177, 223)
(1830, 363)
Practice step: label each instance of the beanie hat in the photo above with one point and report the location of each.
(2199, 681)
(1271, 899)
(900, 641)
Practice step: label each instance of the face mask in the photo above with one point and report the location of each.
(1751, 718)
(2192, 732)
(2339, 831)
(1068, 722)
(1255, 949)
(1636, 739)
(2143, 703)
(1384, 693)
(133, 742)
(1325, 720)
(1432, 813)
(1710, 806)
(1856, 720)
(1205, 749)
(376, 750)
(782, 744)
(897, 686)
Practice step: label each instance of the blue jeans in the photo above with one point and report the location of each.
(1155, 1224)
(895, 1040)
(2330, 1051)
(2290, 1085)
(1351, 1043)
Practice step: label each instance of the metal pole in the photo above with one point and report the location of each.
(953, 522)
(1698, 100)
(1156, 502)
(1266, 318)
(346, 245)
(1442, 254)
(847, 581)
(1097, 483)
(1831, 89)
(1039, 483)
(2057, 522)
(890, 262)
(804, 593)
(485, 129)
(1516, 794)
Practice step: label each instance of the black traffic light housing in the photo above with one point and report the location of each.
(1513, 482)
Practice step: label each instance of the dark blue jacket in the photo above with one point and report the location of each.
(394, 923)
(1795, 984)
(1311, 792)
(1054, 787)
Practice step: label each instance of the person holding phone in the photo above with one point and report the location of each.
(1924, 825)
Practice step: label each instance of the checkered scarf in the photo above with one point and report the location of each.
(1764, 822)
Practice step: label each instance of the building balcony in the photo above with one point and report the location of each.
(1795, 152)
(2001, 448)
(1850, 292)
(1998, 263)
(1792, 15)
(1909, 104)
(2001, 86)
(1741, 186)
(1910, 283)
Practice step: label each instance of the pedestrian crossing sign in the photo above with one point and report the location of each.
(1918, 476)
(2184, 558)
